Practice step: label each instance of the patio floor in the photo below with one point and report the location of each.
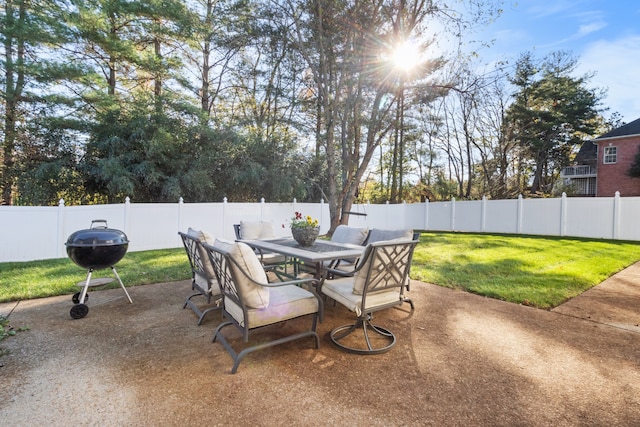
(461, 359)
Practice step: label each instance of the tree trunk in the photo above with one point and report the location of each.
(14, 84)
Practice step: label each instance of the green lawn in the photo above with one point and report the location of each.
(537, 271)
(35, 279)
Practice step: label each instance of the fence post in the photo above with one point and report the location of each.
(453, 214)
(404, 214)
(426, 214)
(180, 203)
(563, 215)
(519, 214)
(60, 232)
(224, 217)
(483, 213)
(386, 214)
(616, 216)
(322, 213)
(125, 219)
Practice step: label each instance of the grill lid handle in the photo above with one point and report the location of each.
(99, 221)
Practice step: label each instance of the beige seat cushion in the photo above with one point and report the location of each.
(285, 302)
(254, 295)
(341, 290)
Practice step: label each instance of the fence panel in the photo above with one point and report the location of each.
(151, 226)
(468, 216)
(501, 216)
(32, 233)
(541, 216)
(439, 217)
(415, 216)
(590, 217)
(209, 217)
(629, 217)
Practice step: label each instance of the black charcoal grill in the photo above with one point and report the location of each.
(95, 248)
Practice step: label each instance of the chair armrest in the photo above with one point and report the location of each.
(337, 272)
(288, 282)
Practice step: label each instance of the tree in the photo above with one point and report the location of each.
(348, 49)
(30, 31)
(552, 112)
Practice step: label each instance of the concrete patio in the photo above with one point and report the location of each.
(461, 359)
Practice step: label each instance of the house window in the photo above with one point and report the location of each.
(610, 154)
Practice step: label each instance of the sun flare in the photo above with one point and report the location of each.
(406, 56)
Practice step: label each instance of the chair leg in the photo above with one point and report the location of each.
(364, 323)
(237, 357)
(407, 299)
(202, 313)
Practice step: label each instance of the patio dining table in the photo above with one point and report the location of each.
(320, 253)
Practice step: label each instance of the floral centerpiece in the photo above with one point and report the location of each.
(304, 229)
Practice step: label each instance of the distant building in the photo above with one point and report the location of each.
(601, 165)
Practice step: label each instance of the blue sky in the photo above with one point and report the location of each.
(604, 35)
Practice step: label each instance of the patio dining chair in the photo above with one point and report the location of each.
(377, 283)
(203, 279)
(251, 302)
(379, 235)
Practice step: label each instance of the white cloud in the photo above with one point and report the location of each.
(590, 28)
(615, 63)
(545, 9)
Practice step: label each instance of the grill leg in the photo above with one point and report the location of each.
(121, 284)
(83, 294)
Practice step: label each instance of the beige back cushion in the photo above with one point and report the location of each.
(346, 234)
(378, 235)
(204, 237)
(252, 230)
(255, 296)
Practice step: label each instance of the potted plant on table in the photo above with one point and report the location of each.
(304, 229)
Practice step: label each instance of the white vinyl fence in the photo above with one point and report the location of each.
(33, 233)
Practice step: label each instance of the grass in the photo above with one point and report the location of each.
(36, 279)
(542, 272)
(538, 271)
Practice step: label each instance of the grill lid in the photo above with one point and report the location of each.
(96, 236)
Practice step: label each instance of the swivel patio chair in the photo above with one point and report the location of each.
(251, 302)
(203, 279)
(377, 283)
(379, 235)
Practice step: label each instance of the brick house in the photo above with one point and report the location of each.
(602, 164)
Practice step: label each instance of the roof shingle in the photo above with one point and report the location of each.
(629, 129)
